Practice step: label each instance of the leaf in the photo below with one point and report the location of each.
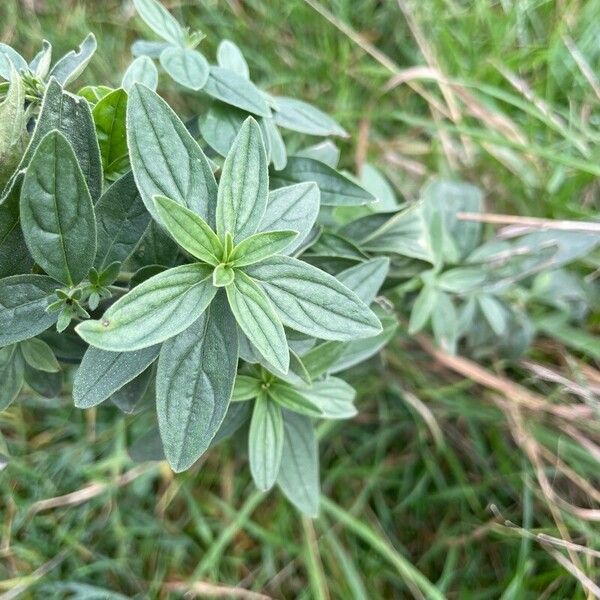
(156, 248)
(160, 21)
(321, 358)
(326, 152)
(461, 280)
(154, 311)
(288, 397)
(14, 255)
(494, 312)
(94, 93)
(131, 397)
(148, 48)
(190, 230)
(39, 355)
(336, 189)
(57, 215)
(40, 65)
(10, 58)
(72, 64)
(303, 117)
(11, 375)
(187, 67)
(258, 320)
(237, 414)
(333, 245)
(244, 184)
(245, 388)
(223, 275)
(121, 220)
(23, 303)
(312, 301)
(374, 181)
(278, 149)
(141, 70)
(422, 308)
(196, 372)
(109, 116)
(265, 442)
(230, 57)
(444, 322)
(299, 479)
(366, 278)
(259, 246)
(48, 385)
(102, 373)
(333, 396)
(231, 88)
(295, 208)
(164, 157)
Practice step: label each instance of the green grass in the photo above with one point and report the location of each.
(416, 492)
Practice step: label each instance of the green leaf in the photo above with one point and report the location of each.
(155, 248)
(326, 152)
(462, 280)
(10, 58)
(223, 275)
(72, 64)
(294, 208)
(94, 93)
(141, 70)
(312, 301)
(336, 189)
(220, 125)
(158, 18)
(121, 219)
(11, 374)
(444, 322)
(39, 355)
(376, 183)
(265, 442)
(57, 215)
(321, 358)
(130, 397)
(23, 303)
(230, 57)
(278, 149)
(196, 372)
(288, 397)
(299, 478)
(366, 278)
(190, 230)
(303, 117)
(40, 65)
(422, 308)
(154, 311)
(333, 396)
(187, 67)
(102, 373)
(109, 116)
(148, 48)
(244, 185)
(258, 320)
(48, 385)
(231, 88)
(259, 246)
(14, 254)
(245, 388)
(164, 157)
(494, 312)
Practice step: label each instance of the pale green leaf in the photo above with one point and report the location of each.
(276, 143)
(187, 67)
(290, 398)
(333, 396)
(422, 308)
(72, 64)
(444, 322)
(12, 128)
(39, 355)
(10, 58)
(158, 18)
(223, 275)
(303, 117)
(245, 388)
(11, 374)
(494, 312)
(141, 70)
(259, 246)
(366, 278)
(230, 57)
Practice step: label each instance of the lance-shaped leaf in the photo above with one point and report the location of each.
(265, 442)
(187, 67)
(102, 373)
(190, 230)
(157, 309)
(141, 70)
(121, 219)
(109, 116)
(158, 18)
(245, 388)
(130, 398)
(39, 355)
(294, 207)
(336, 189)
(40, 65)
(299, 479)
(72, 64)
(244, 185)
(195, 376)
(148, 48)
(234, 89)
(366, 278)
(303, 117)
(259, 246)
(23, 303)
(230, 57)
(312, 301)
(57, 215)
(14, 255)
(333, 396)
(422, 308)
(288, 397)
(164, 157)
(10, 58)
(444, 322)
(494, 312)
(258, 320)
(11, 375)
(278, 149)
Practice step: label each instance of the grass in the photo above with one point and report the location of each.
(448, 484)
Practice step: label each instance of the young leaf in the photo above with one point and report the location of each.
(195, 376)
(190, 230)
(187, 67)
(299, 479)
(40, 65)
(158, 18)
(303, 117)
(102, 373)
(422, 308)
(23, 303)
(295, 208)
(39, 355)
(230, 57)
(265, 442)
(223, 275)
(366, 278)
(164, 157)
(312, 301)
(10, 58)
(57, 215)
(258, 320)
(11, 375)
(333, 396)
(259, 246)
(141, 70)
(288, 397)
(109, 117)
(244, 185)
(336, 189)
(157, 309)
(245, 388)
(121, 219)
(72, 64)
(231, 88)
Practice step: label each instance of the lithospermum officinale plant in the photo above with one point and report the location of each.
(130, 257)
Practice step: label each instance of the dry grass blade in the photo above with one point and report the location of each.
(201, 589)
(530, 222)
